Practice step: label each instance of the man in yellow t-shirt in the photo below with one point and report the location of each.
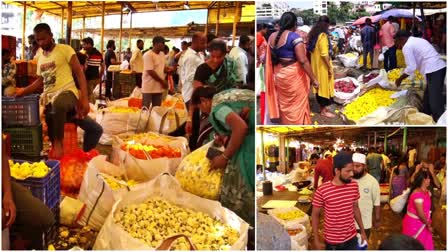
(56, 64)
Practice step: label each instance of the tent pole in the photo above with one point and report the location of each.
(217, 19)
(68, 30)
(23, 31)
(121, 30)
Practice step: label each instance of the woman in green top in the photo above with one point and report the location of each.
(232, 113)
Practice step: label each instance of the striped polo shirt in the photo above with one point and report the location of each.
(337, 202)
(94, 61)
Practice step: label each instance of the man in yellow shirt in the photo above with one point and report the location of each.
(56, 64)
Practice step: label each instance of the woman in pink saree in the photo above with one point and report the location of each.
(288, 73)
(417, 221)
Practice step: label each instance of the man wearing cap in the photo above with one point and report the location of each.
(153, 80)
(369, 191)
(339, 199)
(420, 55)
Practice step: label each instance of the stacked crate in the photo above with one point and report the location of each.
(20, 119)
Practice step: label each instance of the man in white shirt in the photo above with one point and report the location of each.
(153, 80)
(341, 37)
(369, 191)
(420, 55)
(192, 58)
(137, 63)
(239, 54)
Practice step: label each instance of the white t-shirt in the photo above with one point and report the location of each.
(189, 62)
(420, 55)
(156, 62)
(369, 191)
(340, 32)
(242, 63)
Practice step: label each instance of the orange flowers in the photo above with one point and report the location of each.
(138, 150)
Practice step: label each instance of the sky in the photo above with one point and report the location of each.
(301, 4)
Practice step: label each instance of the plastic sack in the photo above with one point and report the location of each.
(299, 241)
(142, 169)
(136, 93)
(397, 204)
(96, 90)
(407, 115)
(344, 98)
(168, 117)
(98, 196)
(381, 57)
(115, 123)
(73, 167)
(195, 177)
(113, 237)
(349, 60)
(70, 211)
(291, 224)
(442, 119)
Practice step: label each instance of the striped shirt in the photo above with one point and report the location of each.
(94, 61)
(337, 202)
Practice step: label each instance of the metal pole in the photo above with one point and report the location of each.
(23, 31)
(103, 9)
(236, 19)
(405, 140)
(121, 29)
(385, 142)
(263, 156)
(62, 23)
(217, 20)
(68, 31)
(374, 139)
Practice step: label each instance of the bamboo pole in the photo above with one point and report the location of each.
(235, 21)
(217, 20)
(121, 29)
(206, 24)
(23, 31)
(83, 27)
(103, 9)
(68, 31)
(130, 30)
(62, 23)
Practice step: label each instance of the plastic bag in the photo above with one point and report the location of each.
(73, 167)
(195, 177)
(381, 57)
(147, 169)
(113, 237)
(291, 224)
(115, 123)
(136, 93)
(349, 60)
(98, 196)
(397, 204)
(344, 98)
(71, 210)
(299, 241)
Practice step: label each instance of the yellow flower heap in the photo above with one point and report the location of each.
(25, 170)
(393, 75)
(195, 176)
(116, 183)
(291, 215)
(117, 109)
(156, 219)
(368, 103)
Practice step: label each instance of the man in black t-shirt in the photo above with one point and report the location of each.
(110, 59)
(94, 67)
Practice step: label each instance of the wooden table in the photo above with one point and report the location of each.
(285, 195)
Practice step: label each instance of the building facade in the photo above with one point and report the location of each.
(272, 9)
(320, 7)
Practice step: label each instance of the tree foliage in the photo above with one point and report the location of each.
(308, 16)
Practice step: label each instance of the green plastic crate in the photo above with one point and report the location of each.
(25, 140)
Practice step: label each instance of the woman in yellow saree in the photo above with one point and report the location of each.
(288, 74)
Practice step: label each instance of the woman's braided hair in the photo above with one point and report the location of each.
(287, 22)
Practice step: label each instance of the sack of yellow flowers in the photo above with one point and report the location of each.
(195, 176)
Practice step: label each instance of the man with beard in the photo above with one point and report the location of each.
(137, 63)
(95, 67)
(369, 191)
(339, 199)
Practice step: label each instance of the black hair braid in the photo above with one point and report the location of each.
(287, 21)
(277, 38)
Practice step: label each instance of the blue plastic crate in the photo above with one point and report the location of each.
(48, 188)
(23, 111)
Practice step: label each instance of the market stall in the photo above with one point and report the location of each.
(289, 190)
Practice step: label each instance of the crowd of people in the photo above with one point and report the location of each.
(293, 61)
(347, 189)
(215, 83)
